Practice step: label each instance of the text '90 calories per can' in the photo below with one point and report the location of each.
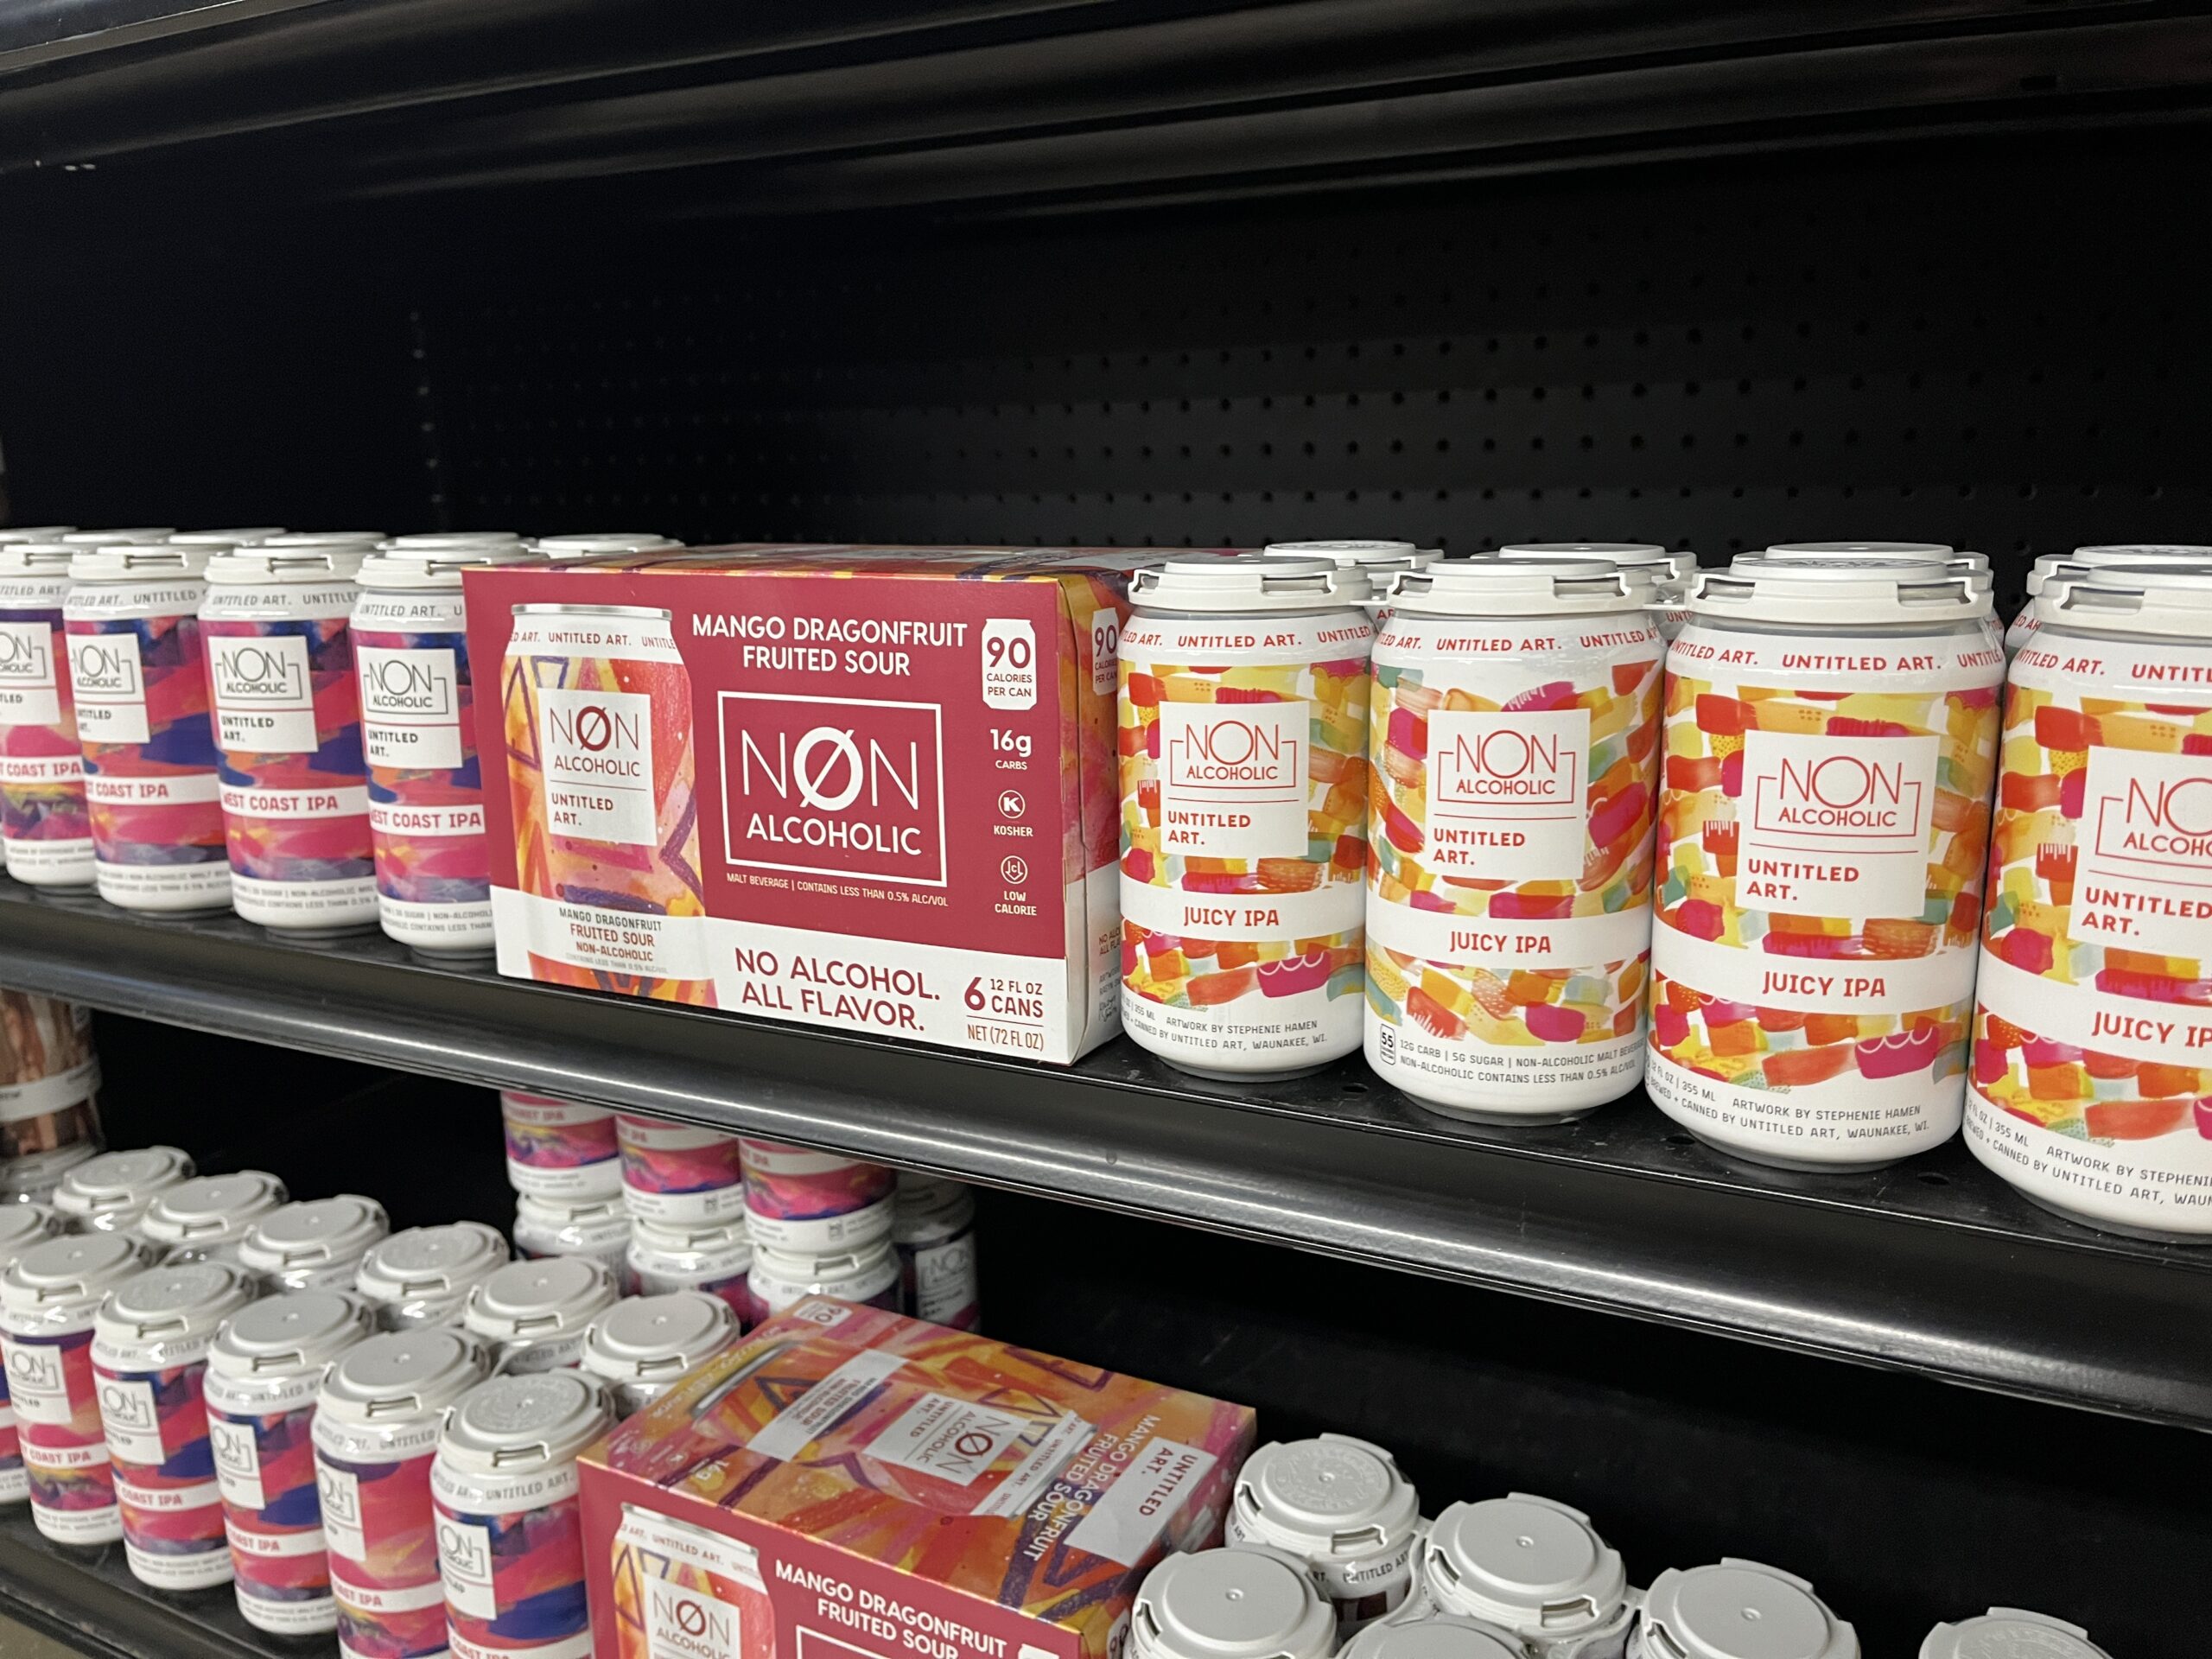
(1244, 761)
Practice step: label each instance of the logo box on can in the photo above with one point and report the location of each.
(867, 788)
(845, 1476)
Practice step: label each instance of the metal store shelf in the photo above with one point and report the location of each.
(1933, 1266)
(88, 1600)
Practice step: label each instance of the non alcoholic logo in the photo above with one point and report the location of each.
(681, 1623)
(33, 1368)
(2158, 820)
(255, 670)
(407, 682)
(597, 750)
(1514, 766)
(465, 1563)
(341, 1497)
(26, 656)
(103, 665)
(834, 786)
(128, 1407)
(1250, 759)
(1868, 794)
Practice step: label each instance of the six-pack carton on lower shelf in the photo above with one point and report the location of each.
(869, 789)
(847, 1484)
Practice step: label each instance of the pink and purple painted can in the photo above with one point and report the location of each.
(138, 682)
(557, 1149)
(48, 1300)
(263, 1373)
(510, 1525)
(150, 1341)
(376, 1435)
(21, 1226)
(418, 729)
(46, 832)
(674, 1173)
(716, 1257)
(796, 1198)
(934, 1229)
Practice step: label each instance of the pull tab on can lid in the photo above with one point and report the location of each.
(1839, 593)
(547, 1298)
(1239, 1603)
(251, 536)
(1249, 584)
(79, 1268)
(1447, 1637)
(279, 560)
(28, 559)
(2173, 554)
(2161, 599)
(512, 1425)
(291, 1335)
(1530, 586)
(111, 1190)
(173, 1304)
(210, 1207)
(648, 1339)
(1927, 552)
(1742, 1610)
(396, 568)
(137, 561)
(2010, 1633)
(117, 537)
(406, 1375)
(1326, 1497)
(1529, 1563)
(317, 1233)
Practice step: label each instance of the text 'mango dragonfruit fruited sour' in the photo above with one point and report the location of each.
(288, 722)
(138, 675)
(1243, 746)
(419, 736)
(1831, 739)
(1514, 737)
(602, 780)
(2092, 1041)
(44, 829)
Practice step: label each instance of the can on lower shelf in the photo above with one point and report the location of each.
(49, 1092)
(676, 1173)
(534, 1315)
(264, 1373)
(934, 1229)
(642, 1343)
(1245, 1602)
(204, 1219)
(598, 1228)
(509, 1522)
(2010, 1633)
(796, 1198)
(1438, 1636)
(1534, 1566)
(1339, 1505)
(314, 1244)
(151, 1343)
(109, 1193)
(713, 1256)
(376, 1435)
(1737, 1610)
(867, 1274)
(557, 1149)
(423, 1275)
(21, 1226)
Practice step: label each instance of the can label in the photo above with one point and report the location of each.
(56, 1402)
(49, 1078)
(673, 1172)
(795, 1199)
(726, 1276)
(511, 1551)
(1510, 878)
(940, 1281)
(556, 1149)
(1244, 745)
(683, 1593)
(41, 767)
(1822, 849)
(263, 1438)
(2092, 1044)
(288, 722)
(156, 1423)
(138, 678)
(380, 1530)
(873, 1288)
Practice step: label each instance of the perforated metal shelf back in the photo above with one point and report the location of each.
(2001, 351)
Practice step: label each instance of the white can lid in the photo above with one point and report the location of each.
(1447, 1637)
(211, 1206)
(1839, 593)
(546, 1298)
(941, 1203)
(117, 537)
(407, 1374)
(213, 538)
(449, 541)
(430, 1262)
(1680, 564)
(315, 1233)
(23, 1225)
(535, 1211)
(598, 543)
(1964, 566)
(1925, 551)
(652, 1338)
(1531, 1563)
(2048, 565)
(29, 558)
(1252, 583)
(291, 1335)
(807, 1266)
(1378, 559)
(317, 540)
(1330, 1495)
(1742, 1610)
(2174, 602)
(36, 1174)
(275, 562)
(174, 1304)
(80, 1267)
(120, 1180)
(137, 561)
(1238, 1603)
(1540, 585)
(682, 1238)
(35, 533)
(511, 1424)
(2010, 1633)
(392, 567)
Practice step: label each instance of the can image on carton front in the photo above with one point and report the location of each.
(866, 789)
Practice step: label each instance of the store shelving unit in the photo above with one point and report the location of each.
(1131, 272)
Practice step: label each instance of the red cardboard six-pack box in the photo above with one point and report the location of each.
(872, 789)
(848, 1484)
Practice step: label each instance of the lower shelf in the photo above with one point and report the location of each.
(87, 1599)
(1932, 1267)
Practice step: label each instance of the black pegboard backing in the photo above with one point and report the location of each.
(2001, 349)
